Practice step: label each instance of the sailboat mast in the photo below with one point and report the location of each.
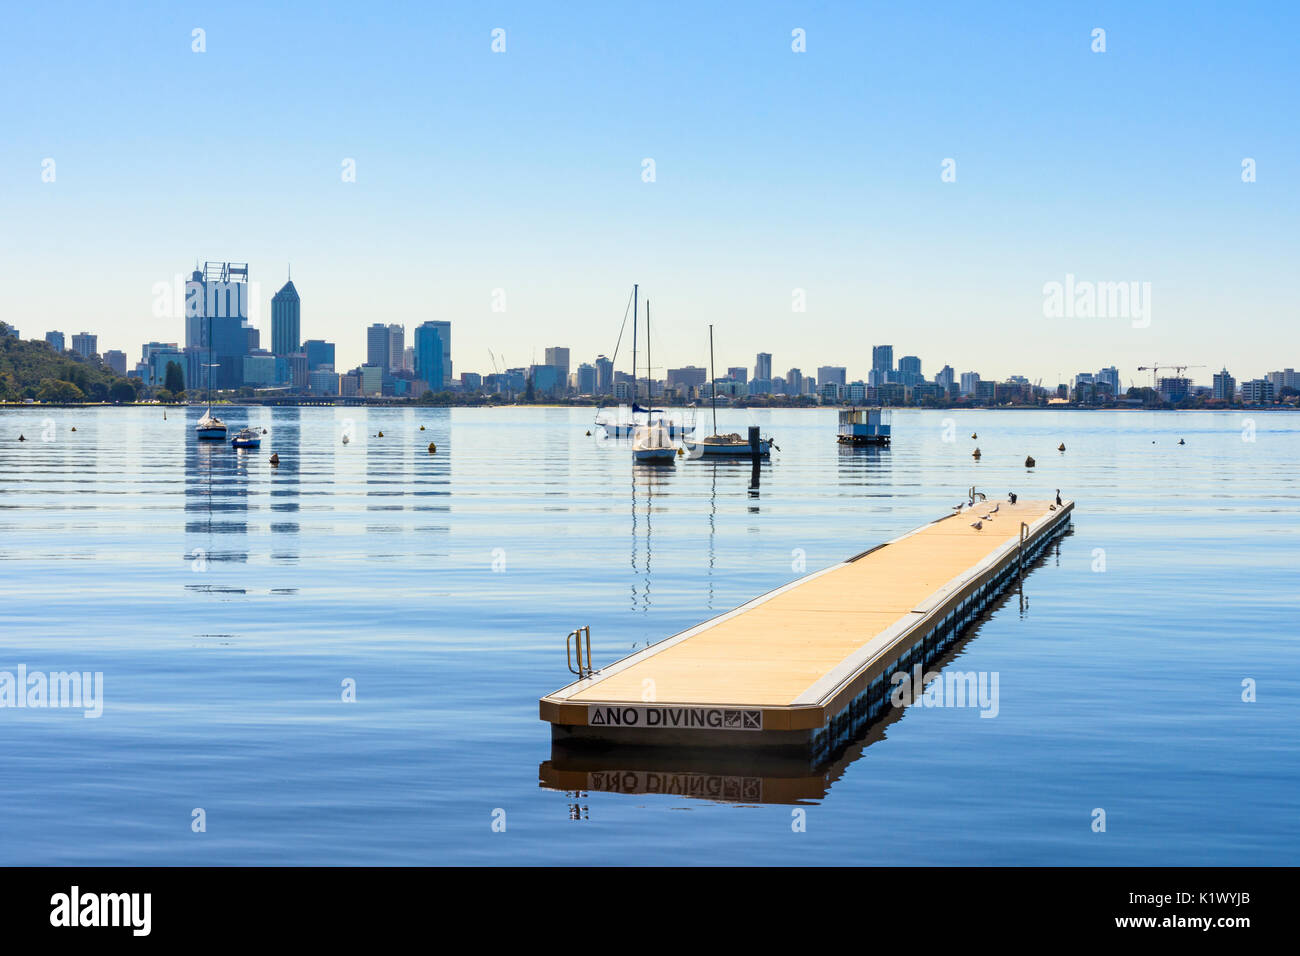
(633, 347)
(649, 391)
(713, 385)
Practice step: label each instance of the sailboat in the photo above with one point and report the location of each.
(210, 426)
(625, 424)
(651, 441)
(730, 445)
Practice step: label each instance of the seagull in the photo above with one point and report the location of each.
(994, 509)
(1058, 496)
(956, 509)
(346, 439)
(976, 525)
(986, 517)
(1011, 496)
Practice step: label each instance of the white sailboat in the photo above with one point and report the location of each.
(729, 445)
(651, 439)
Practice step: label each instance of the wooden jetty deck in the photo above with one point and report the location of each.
(802, 668)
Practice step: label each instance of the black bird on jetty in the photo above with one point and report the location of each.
(977, 525)
(1011, 497)
(1058, 496)
(1181, 442)
(22, 437)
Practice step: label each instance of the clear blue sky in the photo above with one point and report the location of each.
(775, 171)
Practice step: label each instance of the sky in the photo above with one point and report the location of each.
(507, 192)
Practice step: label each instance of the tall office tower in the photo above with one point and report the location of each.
(377, 345)
(56, 341)
(944, 377)
(832, 375)
(1110, 376)
(794, 382)
(286, 321)
(444, 334)
(585, 379)
(85, 344)
(604, 375)
(1225, 386)
(216, 322)
(882, 363)
(429, 352)
(738, 373)
(969, 382)
(318, 352)
(909, 370)
(116, 360)
(559, 357)
(763, 365)
(408, 359)
(396, 347)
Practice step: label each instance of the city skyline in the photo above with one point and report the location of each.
(477, 186)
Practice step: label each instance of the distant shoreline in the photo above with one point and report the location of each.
(698, 408)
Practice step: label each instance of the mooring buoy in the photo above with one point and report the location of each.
(975, 453)
(1061, 447)
(275, 459)
(380, 435)
(974, 435)
(1029, 461)
(432, 448)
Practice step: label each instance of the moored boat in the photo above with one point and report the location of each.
(246, 438)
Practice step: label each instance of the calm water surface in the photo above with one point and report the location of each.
(226, 602)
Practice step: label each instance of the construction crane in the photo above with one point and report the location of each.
(1155, 371)
(495, 370)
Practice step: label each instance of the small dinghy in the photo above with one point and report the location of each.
(246, 438)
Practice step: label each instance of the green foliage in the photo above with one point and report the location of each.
(174, 378)
(31, 369)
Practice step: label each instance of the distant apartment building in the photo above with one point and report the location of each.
(604, 375)
(546, 380)
(1286, 378)
(396, 348)
(55, 341)
(471, 381)
(584, 379)
(1257, 391)
(986, 391)
(763, 365)
(85, 344)
(323, 380)
(116, 360)
(945, 378)
(969, 382)
(738, 373)
(794, 382)
(1225, 386)
(1110, 378)
(377, 345)
(832, 375)
(372, 377)
(882, 363)
(909, 370)
(559, 357)
(760, 386)
(688, 377)
(1174, 390)
(259, 368)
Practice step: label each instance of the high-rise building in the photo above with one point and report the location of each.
(396, 348)
(444, 334)
(1225, 386)
(794, 382)
(738, 373)
(604, 375)
(1109, 377)
(116, 360)
(831, 374)
(882, 362)
(1285, 378)
(85, 344)
(319, 353)
(559, 357)
(217, 322)
(944, 378)
(763, 365)
(429, 351)
(408, 359)
(909, 370)
(286, 320)
(55, 340)
(377, 346)
(585, 379)
(969, 382)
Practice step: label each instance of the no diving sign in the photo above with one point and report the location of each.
(674, 718)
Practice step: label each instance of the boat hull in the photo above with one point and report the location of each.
(212, 433)
(728, 450)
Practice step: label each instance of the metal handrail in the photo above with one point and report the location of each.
(580, 634)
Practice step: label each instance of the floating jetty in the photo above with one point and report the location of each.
(801, 670)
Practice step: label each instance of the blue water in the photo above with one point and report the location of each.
(226, 602)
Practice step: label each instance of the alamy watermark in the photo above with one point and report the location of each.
(947, 689)
(1084, 299)
(57, 689)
